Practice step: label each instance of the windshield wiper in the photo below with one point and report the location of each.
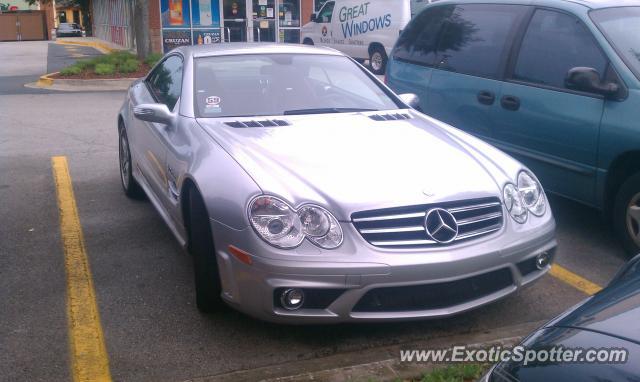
(326, 110)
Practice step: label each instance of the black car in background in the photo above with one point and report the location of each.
(609, 319)
(69, 30)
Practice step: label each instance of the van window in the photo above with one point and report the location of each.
(419, 41)
(556, 42)
(326, 13)
(475, 38)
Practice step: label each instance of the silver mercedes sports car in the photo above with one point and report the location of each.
(308, 192)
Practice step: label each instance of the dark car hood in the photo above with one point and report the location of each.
(614, 311)
(571, 338)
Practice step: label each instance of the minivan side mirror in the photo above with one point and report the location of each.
(411, 100)
(314, 17)
(588, 80)
(154, 112)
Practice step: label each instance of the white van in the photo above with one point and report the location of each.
(363, 29)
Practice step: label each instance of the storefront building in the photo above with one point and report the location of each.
(190, 22)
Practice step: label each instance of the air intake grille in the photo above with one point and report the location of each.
(404, 227)
(390, 117)
(263, 123)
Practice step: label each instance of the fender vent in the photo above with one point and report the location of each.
(390, 117)
(264, 123)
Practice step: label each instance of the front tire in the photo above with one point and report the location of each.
(378, 60)
(131, 188)
(308, 41)
(207, 278)
(626, 214)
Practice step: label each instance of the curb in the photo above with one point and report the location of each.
(100, 46)
(78, 85)
(378, 364)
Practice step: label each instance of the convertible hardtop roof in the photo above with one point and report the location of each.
(238, 48)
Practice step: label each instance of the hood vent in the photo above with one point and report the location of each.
(264, 123)
(390, 117)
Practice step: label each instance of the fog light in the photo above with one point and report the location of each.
(292, 299)
(542, 260)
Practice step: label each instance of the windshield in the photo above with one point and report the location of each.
(284, 84)
(621, 26)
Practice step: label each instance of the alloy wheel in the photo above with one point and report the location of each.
(633, 218)
(376, 61)
(125, 162)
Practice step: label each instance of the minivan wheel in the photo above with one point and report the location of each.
(207, 278)
(626, 214)
(378, 60)
(308, 41)
(131, 188)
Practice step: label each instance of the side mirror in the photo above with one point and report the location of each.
(154, 112)
(588, 80)
(314, 17)
(411, 100)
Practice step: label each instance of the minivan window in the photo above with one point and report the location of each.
(621, 27)
(419, 41)
(475, 38)
(554, 43)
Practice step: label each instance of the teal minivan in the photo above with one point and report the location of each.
(554, 83)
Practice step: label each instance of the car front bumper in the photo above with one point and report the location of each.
(360, 282)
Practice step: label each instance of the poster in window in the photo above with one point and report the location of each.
(175, 13)
(173, 38)
(206, 36)
(206, 13)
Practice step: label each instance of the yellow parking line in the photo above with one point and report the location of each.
(89, 360)
(574, 280)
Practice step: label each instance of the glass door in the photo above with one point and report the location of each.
(235, 20)
(289, 21)
(264, 20)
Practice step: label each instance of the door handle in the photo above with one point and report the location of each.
(486, 97)
(510, 102)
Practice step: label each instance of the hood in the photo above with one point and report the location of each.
(350, 162)
(614, 311)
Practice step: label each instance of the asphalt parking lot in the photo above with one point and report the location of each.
(143, 280)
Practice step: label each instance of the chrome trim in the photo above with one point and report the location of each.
(481, 218)
(482, 231)
(391, 230)
(389, 243)
(391, 217)
(473, 207)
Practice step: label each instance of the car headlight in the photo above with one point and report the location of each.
(532, 194)
(515, 205)
(283, 227)
(526, 197)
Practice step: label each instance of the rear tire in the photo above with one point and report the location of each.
(207, 278)
(308, 41)
(131, 188)
(378, 60)
(626, 214)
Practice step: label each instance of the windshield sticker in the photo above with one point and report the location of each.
(212, 104)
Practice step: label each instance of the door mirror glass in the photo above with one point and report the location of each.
(588, 80)
(410, 99)
(314, 17)
(154, 112)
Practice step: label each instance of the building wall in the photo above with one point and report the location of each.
(113, 21)
(306, 11)
(69, 13)
(50, 17)
(155, 29)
